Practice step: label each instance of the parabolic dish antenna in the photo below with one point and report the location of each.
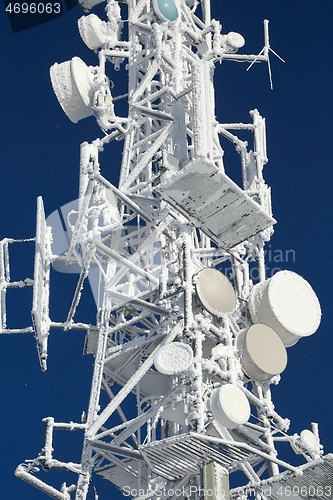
(235, 40)
(230, 406)
(173, 359)
(73, 88)
(287, 303)
(92, 30)
(263, 353)
(309, 440)
(215, 291)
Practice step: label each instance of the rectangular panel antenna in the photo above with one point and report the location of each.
(40, 299)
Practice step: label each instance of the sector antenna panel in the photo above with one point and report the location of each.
(211, 201)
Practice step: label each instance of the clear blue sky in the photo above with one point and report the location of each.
(40, 156)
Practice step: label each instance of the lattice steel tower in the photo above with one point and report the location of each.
(184, 351)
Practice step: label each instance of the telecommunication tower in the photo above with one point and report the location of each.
(184, 353)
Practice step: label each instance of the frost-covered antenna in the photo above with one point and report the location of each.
(265, 53)
(39, 284)
(187, 340)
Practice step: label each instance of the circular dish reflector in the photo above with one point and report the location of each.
(263, 353)
(215, 291)
(309, 440)
(92, 30)
(235, 40)
(230, 406)
(287, 303)
(173, 359)
(166, 10)
(73, 88)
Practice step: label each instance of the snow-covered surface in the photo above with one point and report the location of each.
(174, 358)
(150, 421)
(72, 88)
(294, 303)
(211, 201)
(92, 30)
(230, 406)
(309, 440)
(289, 305)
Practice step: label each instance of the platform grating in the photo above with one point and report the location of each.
(313, 482)
(177, 456)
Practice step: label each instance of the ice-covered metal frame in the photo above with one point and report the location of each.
(174, 213)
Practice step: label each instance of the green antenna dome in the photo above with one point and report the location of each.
(166, 10)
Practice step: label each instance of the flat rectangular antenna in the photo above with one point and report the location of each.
(4, 278)
(40, 298)
(209, 199)
(216, 482)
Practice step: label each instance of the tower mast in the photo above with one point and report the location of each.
(186, 342)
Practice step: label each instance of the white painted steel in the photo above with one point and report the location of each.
(216, 482)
